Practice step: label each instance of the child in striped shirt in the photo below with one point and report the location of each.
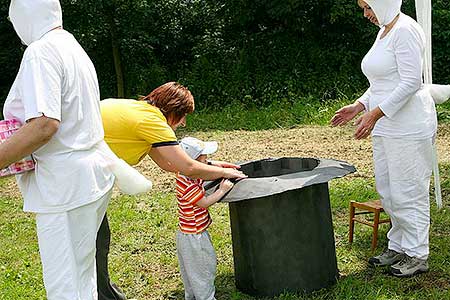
(196, 255)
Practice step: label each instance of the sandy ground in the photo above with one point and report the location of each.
(305, 141)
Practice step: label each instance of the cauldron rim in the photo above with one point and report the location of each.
(274, 167)
(253, 188)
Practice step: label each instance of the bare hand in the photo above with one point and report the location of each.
(226, 185)
(233, 173)
(366, 123)
(346, 114)
(224, 164)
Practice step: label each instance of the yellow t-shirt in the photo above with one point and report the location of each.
(133, 127)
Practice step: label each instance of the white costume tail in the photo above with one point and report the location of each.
(128, 179)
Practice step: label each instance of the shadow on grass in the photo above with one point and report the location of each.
(225, 289)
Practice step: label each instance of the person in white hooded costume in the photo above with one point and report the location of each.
(56, 96)
(400, 115)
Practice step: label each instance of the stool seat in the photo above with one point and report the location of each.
(368, 207)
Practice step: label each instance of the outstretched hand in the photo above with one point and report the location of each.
(233, 173)
(224, 164)
(346, 114)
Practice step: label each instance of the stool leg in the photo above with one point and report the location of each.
(352, 223)
(376, 222)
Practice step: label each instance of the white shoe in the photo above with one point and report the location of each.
(409, 266)
(387, 258)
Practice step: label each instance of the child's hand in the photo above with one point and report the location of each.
(226, 185)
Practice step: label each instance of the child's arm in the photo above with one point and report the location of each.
(224, 187)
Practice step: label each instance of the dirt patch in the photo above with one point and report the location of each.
(305, 141)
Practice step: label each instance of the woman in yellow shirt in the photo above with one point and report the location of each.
(134, 129)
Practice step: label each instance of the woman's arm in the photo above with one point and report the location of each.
(408, 48)
(30, 137)
(364, 99)
(173, 159)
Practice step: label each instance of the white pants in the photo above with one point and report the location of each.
(67, 248)
(198, 263)
(402, 175)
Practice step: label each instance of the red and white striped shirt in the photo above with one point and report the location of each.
(193, 219)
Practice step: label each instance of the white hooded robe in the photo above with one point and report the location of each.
(57, 79)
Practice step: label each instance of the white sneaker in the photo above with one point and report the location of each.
(409, 266)
(387, 258)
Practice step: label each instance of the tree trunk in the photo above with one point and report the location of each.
(116, 56)
(118, 67)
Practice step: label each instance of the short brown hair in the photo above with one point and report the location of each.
(173, 100)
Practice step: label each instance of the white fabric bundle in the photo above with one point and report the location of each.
(439, 92)
(128, 179)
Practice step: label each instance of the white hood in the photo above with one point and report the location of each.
(385, 10)
(34, 18)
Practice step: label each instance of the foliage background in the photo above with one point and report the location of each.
(226, 51)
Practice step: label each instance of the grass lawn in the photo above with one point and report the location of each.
(143, 257)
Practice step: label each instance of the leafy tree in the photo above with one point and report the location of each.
(254, 52)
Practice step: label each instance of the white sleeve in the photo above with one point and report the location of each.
(408, 49)
(40, 88)
(364, 99)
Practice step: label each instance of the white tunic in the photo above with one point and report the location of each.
(393, 67)
(57, 79)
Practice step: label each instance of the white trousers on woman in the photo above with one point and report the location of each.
(402, 175)
(67, 248)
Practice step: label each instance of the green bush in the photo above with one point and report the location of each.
(254, 52)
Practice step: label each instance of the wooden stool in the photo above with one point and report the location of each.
(368, 207)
